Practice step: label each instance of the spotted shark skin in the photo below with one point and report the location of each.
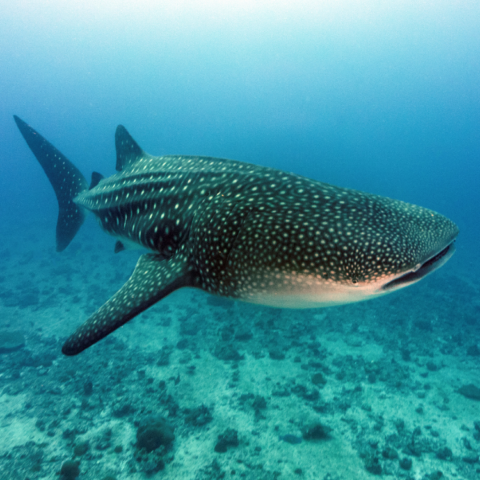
(240, 231)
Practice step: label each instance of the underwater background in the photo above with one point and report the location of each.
(377, 96)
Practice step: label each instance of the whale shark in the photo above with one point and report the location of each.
(240, 231)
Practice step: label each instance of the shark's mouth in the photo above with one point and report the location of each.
(424, 269)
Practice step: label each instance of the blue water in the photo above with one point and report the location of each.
(378, 96)
(361, 94)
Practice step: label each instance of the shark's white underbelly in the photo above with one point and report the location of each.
(308, 293)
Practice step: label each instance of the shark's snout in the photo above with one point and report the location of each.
(422, 270)
(443, 234)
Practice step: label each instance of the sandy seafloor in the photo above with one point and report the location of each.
(378, 381)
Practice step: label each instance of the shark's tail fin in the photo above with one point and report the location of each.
(66, 180)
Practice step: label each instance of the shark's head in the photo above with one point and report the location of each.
(405, 243)
(346, 246)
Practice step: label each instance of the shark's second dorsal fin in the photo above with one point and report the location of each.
(128, 151)
(96, 179)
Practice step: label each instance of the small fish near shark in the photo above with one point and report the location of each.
(240, 231)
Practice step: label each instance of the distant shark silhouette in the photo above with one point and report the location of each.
(239, 231)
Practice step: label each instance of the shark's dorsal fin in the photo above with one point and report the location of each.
(96, 179)
(153, 279)
(128, 151)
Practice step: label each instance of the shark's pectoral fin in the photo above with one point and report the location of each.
(152, 279)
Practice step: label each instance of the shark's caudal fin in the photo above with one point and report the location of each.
(66, 180)
(152, 279)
